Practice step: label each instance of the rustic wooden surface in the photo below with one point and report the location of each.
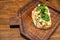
(8, 9)
(29, 30)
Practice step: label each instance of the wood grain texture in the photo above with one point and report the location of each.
(8, 9)
(29, 30)
(7, 33)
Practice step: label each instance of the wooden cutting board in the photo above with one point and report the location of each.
(27, 27)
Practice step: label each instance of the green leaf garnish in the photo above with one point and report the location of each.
(45, 17)
(43, 12)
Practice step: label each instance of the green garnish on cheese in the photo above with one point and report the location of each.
(43, 12)
(45, 17)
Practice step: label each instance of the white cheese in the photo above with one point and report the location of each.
(38, 24)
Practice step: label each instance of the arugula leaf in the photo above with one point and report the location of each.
(45, 17)
(43, 12)
(41, 8)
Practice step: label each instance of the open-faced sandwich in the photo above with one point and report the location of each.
(41, 17)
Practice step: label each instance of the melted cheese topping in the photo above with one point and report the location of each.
(40, 23)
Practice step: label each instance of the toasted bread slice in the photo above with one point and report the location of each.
(38, 21)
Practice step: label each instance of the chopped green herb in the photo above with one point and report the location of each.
(45, 17)
(41, 8)
(43, 12)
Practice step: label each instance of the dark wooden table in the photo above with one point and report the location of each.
(8, 9)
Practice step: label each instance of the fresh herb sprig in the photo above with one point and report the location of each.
(43, 12)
